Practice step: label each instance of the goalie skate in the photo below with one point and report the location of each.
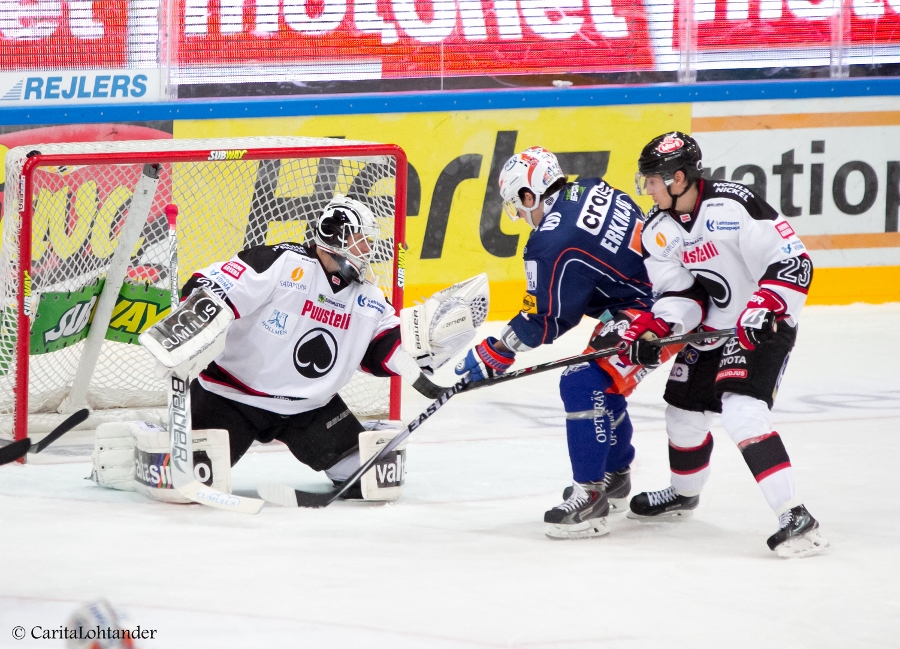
(666, 504)
(582, 515)
(617, 485)
(799, 535)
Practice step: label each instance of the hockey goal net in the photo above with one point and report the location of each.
(84, 259)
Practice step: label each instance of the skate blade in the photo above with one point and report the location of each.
(803, 546)
(618, 505)
(585, 530)
(668, 516)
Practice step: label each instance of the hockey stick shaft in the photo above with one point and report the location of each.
(18, 449)
(600, 353)
(181, 448)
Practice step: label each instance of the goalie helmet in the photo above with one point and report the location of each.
(347, 230)
(667, 153)
(535, 170)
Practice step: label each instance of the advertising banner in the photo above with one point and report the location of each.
(455, 227)
(407, 38)
(78, 34)
(830, 166)
(111, 86)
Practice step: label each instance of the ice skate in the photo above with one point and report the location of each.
(662, 505)
(581, 515)
(617, 485)
(799, 535)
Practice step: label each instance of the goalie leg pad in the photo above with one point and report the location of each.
(153, 478)
(384, 481)
(113, 456)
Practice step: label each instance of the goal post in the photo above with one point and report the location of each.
(74, 302)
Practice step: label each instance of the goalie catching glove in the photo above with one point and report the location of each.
(433, 332)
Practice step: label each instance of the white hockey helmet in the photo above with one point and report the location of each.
(535, 169)
(348, 230)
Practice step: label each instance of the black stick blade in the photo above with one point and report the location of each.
(73, 420)
(14, 451)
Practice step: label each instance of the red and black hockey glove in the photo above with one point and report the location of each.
(636, 348)
(759, 321)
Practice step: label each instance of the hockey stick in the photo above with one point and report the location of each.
(181, 451)
(697, 337)
(18, 449)
(289, 497)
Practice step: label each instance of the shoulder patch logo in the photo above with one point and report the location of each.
(233, 268)
(661, 240)
(297, 274)
(785, 230)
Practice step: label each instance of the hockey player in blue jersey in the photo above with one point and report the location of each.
(582, 259)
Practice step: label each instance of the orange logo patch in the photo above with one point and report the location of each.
(661, 240)
(297, 274)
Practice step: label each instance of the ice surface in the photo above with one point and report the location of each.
(461, 559)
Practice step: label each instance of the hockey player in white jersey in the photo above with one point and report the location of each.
(719, 256)
(305, 320)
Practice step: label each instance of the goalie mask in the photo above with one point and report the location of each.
(534, 170)
(347, 230)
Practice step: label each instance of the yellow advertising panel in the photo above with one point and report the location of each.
(454, 225)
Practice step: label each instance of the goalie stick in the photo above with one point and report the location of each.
(181, 452)
(288, 497)
(18, 449)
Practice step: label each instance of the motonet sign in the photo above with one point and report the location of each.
(408, 38)
(419, 37)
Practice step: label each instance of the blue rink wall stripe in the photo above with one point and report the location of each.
(420, 102)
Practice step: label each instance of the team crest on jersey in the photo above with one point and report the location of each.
(278, 323)
(691, 355)
(315, 354)
(234, 269)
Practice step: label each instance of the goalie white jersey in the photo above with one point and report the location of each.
(732, 243)
(299, 332)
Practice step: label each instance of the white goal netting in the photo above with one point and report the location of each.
(231, 194)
